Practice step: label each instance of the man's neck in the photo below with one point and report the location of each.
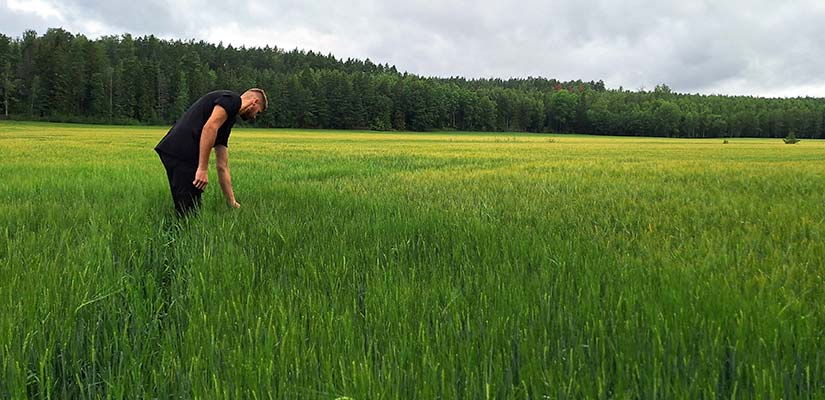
(245, 103)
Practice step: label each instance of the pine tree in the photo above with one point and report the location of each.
(9, 86)
(182, 98)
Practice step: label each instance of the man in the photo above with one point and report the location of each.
(186, 148)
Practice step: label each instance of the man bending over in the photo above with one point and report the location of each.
(186, 148)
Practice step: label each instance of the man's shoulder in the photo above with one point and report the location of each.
(229, 100)
(214, 95)
(222, 93)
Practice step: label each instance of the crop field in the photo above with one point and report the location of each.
(443, 265)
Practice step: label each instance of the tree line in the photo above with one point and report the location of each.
(60, 76)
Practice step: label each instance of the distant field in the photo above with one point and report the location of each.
(400, 265)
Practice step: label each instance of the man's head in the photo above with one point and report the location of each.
(253, 101)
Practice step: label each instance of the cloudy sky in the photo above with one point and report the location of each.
(745, 47)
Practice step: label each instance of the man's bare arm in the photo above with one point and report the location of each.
(208, 135)
(224, 178)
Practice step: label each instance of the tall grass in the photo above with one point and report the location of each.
(379, 266)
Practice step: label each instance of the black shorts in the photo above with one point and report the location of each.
(181, 174)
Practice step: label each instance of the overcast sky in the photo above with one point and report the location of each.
(745, 47)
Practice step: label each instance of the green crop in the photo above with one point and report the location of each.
(398, 265)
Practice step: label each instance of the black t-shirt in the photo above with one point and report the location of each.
(184, 138)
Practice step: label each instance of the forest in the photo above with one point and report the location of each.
(66, 77)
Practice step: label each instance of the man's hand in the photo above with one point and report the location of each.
(201, 179)
(235, 204)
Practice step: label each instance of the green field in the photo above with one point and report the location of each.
(413, 266)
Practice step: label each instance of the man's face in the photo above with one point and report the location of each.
(252, 111)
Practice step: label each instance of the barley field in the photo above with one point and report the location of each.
(444, 265)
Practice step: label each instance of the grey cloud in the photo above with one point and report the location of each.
(136, 17)
(755, 46)
(13, 23)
